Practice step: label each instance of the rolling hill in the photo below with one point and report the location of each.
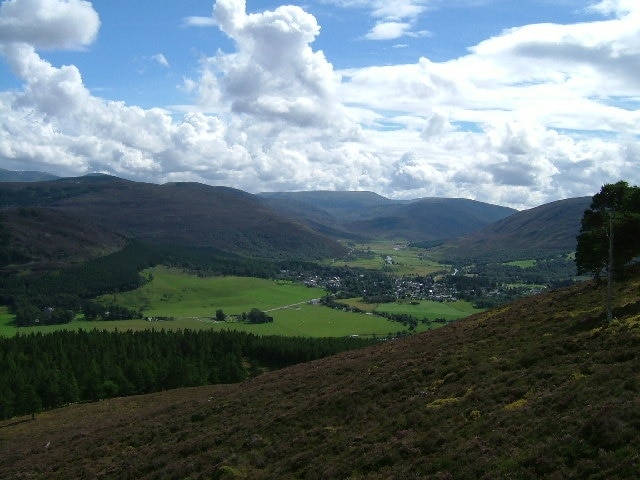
(366, 215)
(45, 238)
(549, 229)
(24, 176)
(430, 219)
(346, 204)
(286, 224)
(186, 214)
(538, 389)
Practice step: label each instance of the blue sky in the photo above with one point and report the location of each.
(513, 103)
(120, 64)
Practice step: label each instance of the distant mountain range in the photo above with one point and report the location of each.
(24, 176)
(366, 215)
(87, 216)
(464, 228)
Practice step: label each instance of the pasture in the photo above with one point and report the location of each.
(6, 329)
(173, 293)
(431, 309)
(398, 258)
(307, 320)
(300, 321)
(192, 302)
(522, 263)
(423, 309)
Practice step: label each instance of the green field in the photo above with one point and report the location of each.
(173, 293)
(192, 303)
(301, 321)
(523, 263)
(395, 257)
(423, 309)
(431, 310)
(317, 321)
(5, 318)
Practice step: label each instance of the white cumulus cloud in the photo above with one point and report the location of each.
(48, 23)
(388, 31)
(533, 114)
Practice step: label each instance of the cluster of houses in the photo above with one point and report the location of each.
(401, 288)
(427, 290)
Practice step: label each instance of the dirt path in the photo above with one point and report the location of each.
(292, 305)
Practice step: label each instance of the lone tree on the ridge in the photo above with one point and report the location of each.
(610, 235)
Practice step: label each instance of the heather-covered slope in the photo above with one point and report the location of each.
(44, 238)
(545, 230)
(176, 213)
(540, 388)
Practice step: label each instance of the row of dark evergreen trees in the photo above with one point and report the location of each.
(43, 371)
(56, 297)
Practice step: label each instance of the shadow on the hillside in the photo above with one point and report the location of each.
(589, 323)
(17, 422)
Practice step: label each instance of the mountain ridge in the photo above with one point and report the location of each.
(548, 229)
(180, 213)
(367, 215)
(298, 224)
(25, 176)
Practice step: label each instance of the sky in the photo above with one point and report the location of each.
(511, 103)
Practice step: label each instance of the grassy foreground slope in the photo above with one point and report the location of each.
(540, 388)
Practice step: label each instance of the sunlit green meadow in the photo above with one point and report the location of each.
(423, 309)
(300, 321)
(522, 263)
(308, 320)
(173, 293)
(6, 329)
(190, 302)
(431, 310)
(398, 258)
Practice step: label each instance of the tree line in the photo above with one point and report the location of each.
(610, 228)
(43, 371)
(56, 297)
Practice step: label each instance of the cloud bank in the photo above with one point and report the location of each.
(536, 113)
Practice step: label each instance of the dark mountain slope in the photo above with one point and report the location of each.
(361, 215)
(179, 213)
(343, 204)
(319, 220)
(44, 238)
(538, 389)
(545, 230)
(430, 219)
(24, 176)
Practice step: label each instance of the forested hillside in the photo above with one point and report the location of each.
(41, 372)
